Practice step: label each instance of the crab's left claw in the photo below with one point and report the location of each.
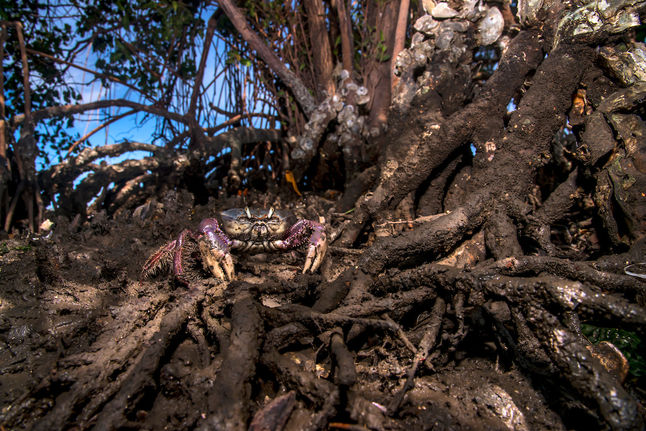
(217, 261)
(316, 249)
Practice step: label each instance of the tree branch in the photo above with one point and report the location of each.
(289, 78)
(92, 132)
(321, 51)
(437, 143)
(200, 71)
(54, 111)
(85, 69)
(345, 26)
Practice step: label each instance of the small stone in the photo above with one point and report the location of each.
(490, 27)
(416, 39)
(428, 5)
(426, 25)
(443, 11)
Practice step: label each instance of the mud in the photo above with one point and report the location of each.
(88, 344)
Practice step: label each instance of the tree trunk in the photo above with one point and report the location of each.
(382, 16)
(323, 63)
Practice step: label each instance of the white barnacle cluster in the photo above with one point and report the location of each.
(628, 65)
(342, 107)
(443, 30)
(592, 17)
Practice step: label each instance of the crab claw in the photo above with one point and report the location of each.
(217, 261)
(316, 249)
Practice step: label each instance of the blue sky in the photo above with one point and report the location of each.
(140, 127)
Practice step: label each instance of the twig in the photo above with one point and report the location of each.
(92, 132)
(85, 69)
(422, 219)
(400, 333)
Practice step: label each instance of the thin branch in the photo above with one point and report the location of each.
(143, 62)
(3, 124)
(289, 78)
(85, 69)
(26, 149)
(25, 75)
(421, 354)
(200, 71)
(54, 111)
(102, 126)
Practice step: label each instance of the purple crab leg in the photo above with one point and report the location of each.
(299, 233)
(302, 232)
(216, 249)
(214, 234)
(177, 257)
(156, 260)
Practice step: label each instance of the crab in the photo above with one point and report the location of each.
(242, 230)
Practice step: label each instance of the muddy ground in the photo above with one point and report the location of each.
(87, 343)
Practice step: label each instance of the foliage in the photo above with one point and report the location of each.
(48, 84)
(151, 59)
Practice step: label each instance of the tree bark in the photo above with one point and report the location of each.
(382, 17)
(400, 34)
(323, 63)
(438, 141)
(300, 92)
(347, 44)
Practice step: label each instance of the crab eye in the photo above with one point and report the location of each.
(246, 210)
(270, 213)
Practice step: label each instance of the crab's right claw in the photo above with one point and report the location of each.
(217, 261)
(316, 250)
